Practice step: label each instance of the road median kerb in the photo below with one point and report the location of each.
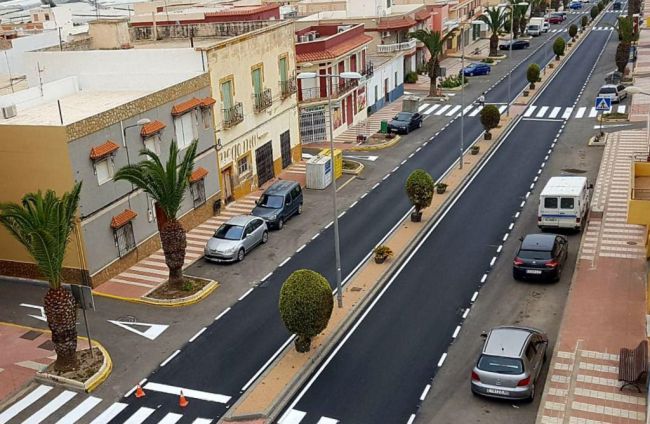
(168, 303)
(385, 145)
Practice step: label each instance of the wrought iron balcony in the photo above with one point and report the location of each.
(263, 100)
(233, 115)
(288, 87)
(369, 70)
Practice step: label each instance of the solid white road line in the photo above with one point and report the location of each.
(81, 410)
(189, 393)
(198, 334)
(581, 112)
(17, 407)
(442, 110)
(593, 112)
(529, 111)
(110, 413)
(542, 112)
(50, 408)
(567, 113)
(476, 111)
(292, 416)
(170, 418)
(554, 112)
(431, 109)
(140, 415)
(453, 110)
(169, 358)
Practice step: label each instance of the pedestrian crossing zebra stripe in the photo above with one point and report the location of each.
(17, 407)
(110, 413)
(533, 111)
(529, 111)
(541, 112)
(453, 110)
(581, 112)
(567, 113)
(140, 415)
(476, 111)
(431, 109)
(82, 409)
(442, 110)
(554, 112)
(50, 408)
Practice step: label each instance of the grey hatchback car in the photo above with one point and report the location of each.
(279, 202)
(235, 238)
(510, 363)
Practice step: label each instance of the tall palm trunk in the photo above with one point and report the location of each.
(515, 27)
(174, 242)
(61, 312)
(494, 44)
(434, 71)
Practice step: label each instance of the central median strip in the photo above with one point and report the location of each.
(290, 370)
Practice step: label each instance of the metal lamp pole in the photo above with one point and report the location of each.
(512, 36)
(462, 92)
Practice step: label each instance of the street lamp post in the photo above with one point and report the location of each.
(337, 246)
(512, 39)
(462, 92)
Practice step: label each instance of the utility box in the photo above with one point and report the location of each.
(410, 104)
(338, 160)
(384, 127)
(319, 172)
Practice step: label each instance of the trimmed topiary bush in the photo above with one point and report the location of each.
(558, 47)
(593, 12)
(411, 77)
(584, 21)
(305, 306)
(601, 6)
(419, 189)
(532, 75)
(573, 30)
(490, 117)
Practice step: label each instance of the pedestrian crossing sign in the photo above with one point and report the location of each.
(603, 104)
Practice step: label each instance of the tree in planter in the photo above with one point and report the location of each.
(305, 305)
(584, 22)
(166, 184)
(495, 19)
(532, 74)
(42, 223)
(434, 43)
(600, 7)
(573, 30)
(490, 117)
(593, 12)
(558, 47)
(625, 28)
(419, 189)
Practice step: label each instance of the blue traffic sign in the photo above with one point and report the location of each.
(603, 103)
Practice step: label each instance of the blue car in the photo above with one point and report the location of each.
(477, 69)
(575, 5)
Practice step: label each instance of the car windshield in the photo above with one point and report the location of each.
(534, 254)
(273, 202)
(533, 27)
(229, 232)
(608, 90)
(500, 364)
(403, 116)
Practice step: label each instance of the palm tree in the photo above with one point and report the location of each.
(166, 184)
(518, 17)
(42, 224)
(435, 44)
(494, 18)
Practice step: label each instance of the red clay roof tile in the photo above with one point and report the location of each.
(199, 173)
(123, 218)
(186, 106)
(102, 150)
(396, 23)
(207, 102)
(151, 128)
(336, 51)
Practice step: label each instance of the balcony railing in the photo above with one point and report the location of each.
(369, 70)
(396, 47)
(313, 94)
(233, 115)
(288, 87)
(263, 100)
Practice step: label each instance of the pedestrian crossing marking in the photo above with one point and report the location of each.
(189, 393)
(567, 113)
(327, 420)
(51, 406)
(542, 111)
(467, 109)
(140, 415)
(431, 109)
(530, 111)
(581, 112)
(293, 416)
(442, 110)
(476, 111)
(554, 112)
(81, 410)
(502, 108)
(110, 413)
(32, 397)
(422, 107)
(170, 418)
(202, 421)
(453, 110)
(593, 112)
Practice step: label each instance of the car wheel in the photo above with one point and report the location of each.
(299, 209)
(280, 223)
(241, 254)
(471, 74)
(265, 237)
(532, 394)
(420, 124)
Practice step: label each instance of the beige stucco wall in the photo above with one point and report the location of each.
(310, 7)
(109, 34)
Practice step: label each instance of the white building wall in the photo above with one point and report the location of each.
(385, 71)
(356, 8)
(12, 60)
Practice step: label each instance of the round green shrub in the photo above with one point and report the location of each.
(305, 306)
(411, 77)
(558, 47)
(490, 117)
(573, 30)
(593, 12)
(532, 74)
(584, 21)
(419, 189)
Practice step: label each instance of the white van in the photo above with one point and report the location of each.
(534, 30)
(564, 203)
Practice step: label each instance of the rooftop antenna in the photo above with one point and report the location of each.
(40, 78)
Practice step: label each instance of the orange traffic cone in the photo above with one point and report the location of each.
(139, 392)
(182, 402)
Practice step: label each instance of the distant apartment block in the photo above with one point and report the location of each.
(82, 127)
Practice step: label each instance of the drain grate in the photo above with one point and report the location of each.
(48, 345)
(632, 243)
(30, 335)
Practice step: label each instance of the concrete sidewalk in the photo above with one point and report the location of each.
(150, 272)
(606, 309)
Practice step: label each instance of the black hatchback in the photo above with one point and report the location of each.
(540, 257)
(404, 122)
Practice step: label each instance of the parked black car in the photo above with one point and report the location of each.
(516, 45)
(404, 122)
(279, 202)
(540, 257)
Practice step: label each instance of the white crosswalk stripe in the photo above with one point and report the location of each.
(593, 112)
(170, 418)
(581, 112)
(502, 108)
(467, 109)
(431, 109)
(32, 397)
(110, 413)
(529, 111)
(49, 409)
(442, 110)
(541, 112)
(567, 113)
(554, 112)
(422, 107)
(81, 410)
(140, 415)
(476, 111)
(453, 110)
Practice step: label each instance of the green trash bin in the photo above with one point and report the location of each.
(384, 127)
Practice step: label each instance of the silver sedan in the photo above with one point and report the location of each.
(235, 238)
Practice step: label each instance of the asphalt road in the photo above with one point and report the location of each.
(232, 350)
(379, 372)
